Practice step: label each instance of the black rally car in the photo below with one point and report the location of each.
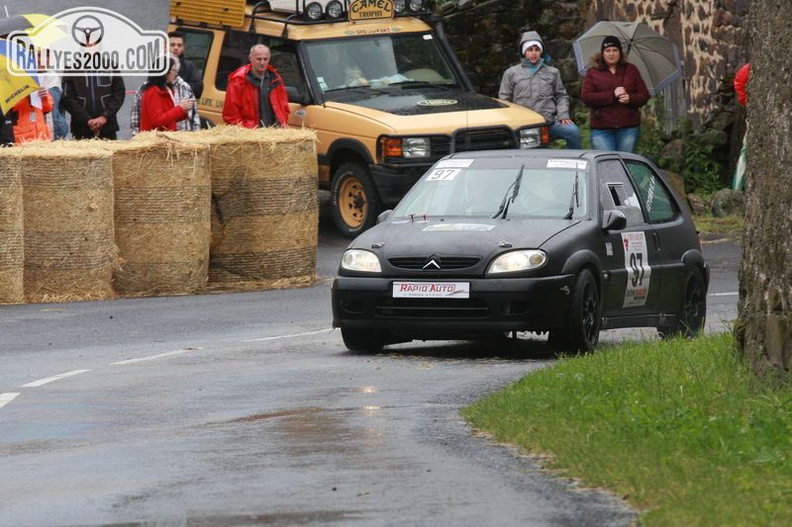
(559, 241)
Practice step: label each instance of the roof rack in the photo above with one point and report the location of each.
(263, 11)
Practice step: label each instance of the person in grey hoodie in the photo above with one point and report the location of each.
(536, 85)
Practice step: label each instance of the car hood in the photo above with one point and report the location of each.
(458, 235)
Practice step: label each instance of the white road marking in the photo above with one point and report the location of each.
(735, 293)
(291, 336)
(41, 382)
(154, 357)
(6, 398)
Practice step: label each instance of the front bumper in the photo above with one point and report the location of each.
(394, 181)
(500, 304)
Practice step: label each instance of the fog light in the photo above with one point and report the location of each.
(399, 5)
(416, 5)
(335, 9)
(313, 11)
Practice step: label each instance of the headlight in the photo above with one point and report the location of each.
(416, 5)
(405, 147)
(530, 138)
(416, 147)
(313, 11)
(399, 5)
(335, 9)
(360, 260)
(514, 261)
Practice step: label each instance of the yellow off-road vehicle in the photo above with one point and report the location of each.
(375, 79)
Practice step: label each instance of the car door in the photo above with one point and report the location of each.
(631, 273)
(669, 233)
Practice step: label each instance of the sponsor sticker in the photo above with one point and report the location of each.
(578, 164)
(431, 290)
(639, 274)
(449, 227)
(454, 163)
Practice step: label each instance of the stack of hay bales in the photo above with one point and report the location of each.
(265, 207)
(69, 251)
(162, 220)
(12, 251)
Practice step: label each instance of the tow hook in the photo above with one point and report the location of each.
(565, 290)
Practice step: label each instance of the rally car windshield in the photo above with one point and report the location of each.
(514, 192)
(379, 62)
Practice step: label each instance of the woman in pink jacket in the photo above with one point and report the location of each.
(158, 111)
(614, 90)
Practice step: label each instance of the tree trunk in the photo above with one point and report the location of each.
(763, 333)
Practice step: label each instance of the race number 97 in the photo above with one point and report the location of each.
(636, 269)
(443, 174)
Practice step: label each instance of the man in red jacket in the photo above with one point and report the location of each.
(256, 95)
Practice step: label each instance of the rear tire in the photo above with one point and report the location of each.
(356, 203)
(581, 331)
(693, 314)
(363, 340)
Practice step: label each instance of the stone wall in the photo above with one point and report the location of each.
(711, 36)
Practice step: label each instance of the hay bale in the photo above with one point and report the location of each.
(162, 220)
(12, 250)
(265, 204)
(68, 221)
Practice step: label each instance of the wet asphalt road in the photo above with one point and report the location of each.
(245, 409)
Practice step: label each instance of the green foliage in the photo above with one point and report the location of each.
(701, 171)
(682, 428)
(651, 143)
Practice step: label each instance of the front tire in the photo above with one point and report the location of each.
(363, 340)
(693, 314)
(356, 203)
(584, 319)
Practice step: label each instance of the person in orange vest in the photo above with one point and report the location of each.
(31, 124)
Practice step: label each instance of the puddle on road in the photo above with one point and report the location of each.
(286, 518)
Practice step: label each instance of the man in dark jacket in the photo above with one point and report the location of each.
(93, 102)
(188, 71)
(7, 128)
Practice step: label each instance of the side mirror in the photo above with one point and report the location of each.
(384, 216)
(613, 220)
(296, 96)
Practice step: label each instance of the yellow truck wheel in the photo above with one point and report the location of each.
(355, 200)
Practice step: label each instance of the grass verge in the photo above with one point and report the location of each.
(681, 428)
(712, 228)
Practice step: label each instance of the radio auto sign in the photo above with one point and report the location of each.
(360, 10)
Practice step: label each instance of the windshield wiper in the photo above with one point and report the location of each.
(508, 200)
(575, 200)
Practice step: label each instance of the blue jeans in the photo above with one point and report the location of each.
(569, 132)
(59, 122)
(621, 139)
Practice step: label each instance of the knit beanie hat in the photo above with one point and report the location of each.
(528, 43)
(611, 42)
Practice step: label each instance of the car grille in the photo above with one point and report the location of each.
(447, 263)
(431, 309)
(484, 139)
